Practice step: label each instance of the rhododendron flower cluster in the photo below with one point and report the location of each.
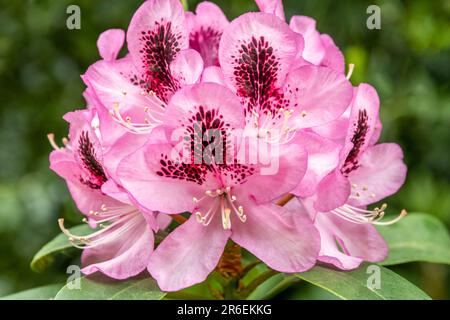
(210, 131)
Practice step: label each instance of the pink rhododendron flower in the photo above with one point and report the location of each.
(206, 27)
(220, 120)
(367, 173)
(228, 199)
(257, 55)
(135, 89)
(319, 49)
(123, 244)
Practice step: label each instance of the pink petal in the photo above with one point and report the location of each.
(279, 169)
(124, 146)
(333, 191)
(320, 93)
(358, 242)
(109, 43)
(188, 255)
(187, 67)
(213, 74)
(314, 50)
(156, 34)
(323, 157)
(334, 58)
(123, 257)
(206, 28)
(285, 242)
(381, 173)
(272, 6)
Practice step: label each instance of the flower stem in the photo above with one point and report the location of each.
(178, 218)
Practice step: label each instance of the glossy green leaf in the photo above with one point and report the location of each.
(353, 285)
(102, 289)
(59, 245)
(40, 293)
(417, 237)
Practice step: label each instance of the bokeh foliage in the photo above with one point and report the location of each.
(408, 61)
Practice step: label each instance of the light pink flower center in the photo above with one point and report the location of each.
(225, 204)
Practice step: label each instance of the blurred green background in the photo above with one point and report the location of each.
(408, 61)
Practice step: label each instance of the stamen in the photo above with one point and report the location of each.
(351, 67)
(51, 139)
(362, 216)
(227, 205)
(120, 222)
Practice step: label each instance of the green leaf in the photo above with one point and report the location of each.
(40, 293)
(417, 237)
(352, 285)
(59, 245)
(107, 289)
(272, 287)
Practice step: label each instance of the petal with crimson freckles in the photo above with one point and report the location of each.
(285, 242)
(109, 43)
(141, 174)
(86, 199)
(314, 50)
(116, 84)
(323, 157)
(188, 254)
(272, 6)
(381, 173)
(362, 125)
(206, 28)
(157, 33)
(320, 94)
(122, 257)
(210, 96)
(333, 56)
(256, 52)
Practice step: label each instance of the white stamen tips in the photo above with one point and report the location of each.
(111, 225)
(199, 217)
(354, 186)
(225, 204)
(124, 92)
(372, 195)
(51, 139)
(362, 216)
(304, 113)
(84, 220)
(351, 68)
